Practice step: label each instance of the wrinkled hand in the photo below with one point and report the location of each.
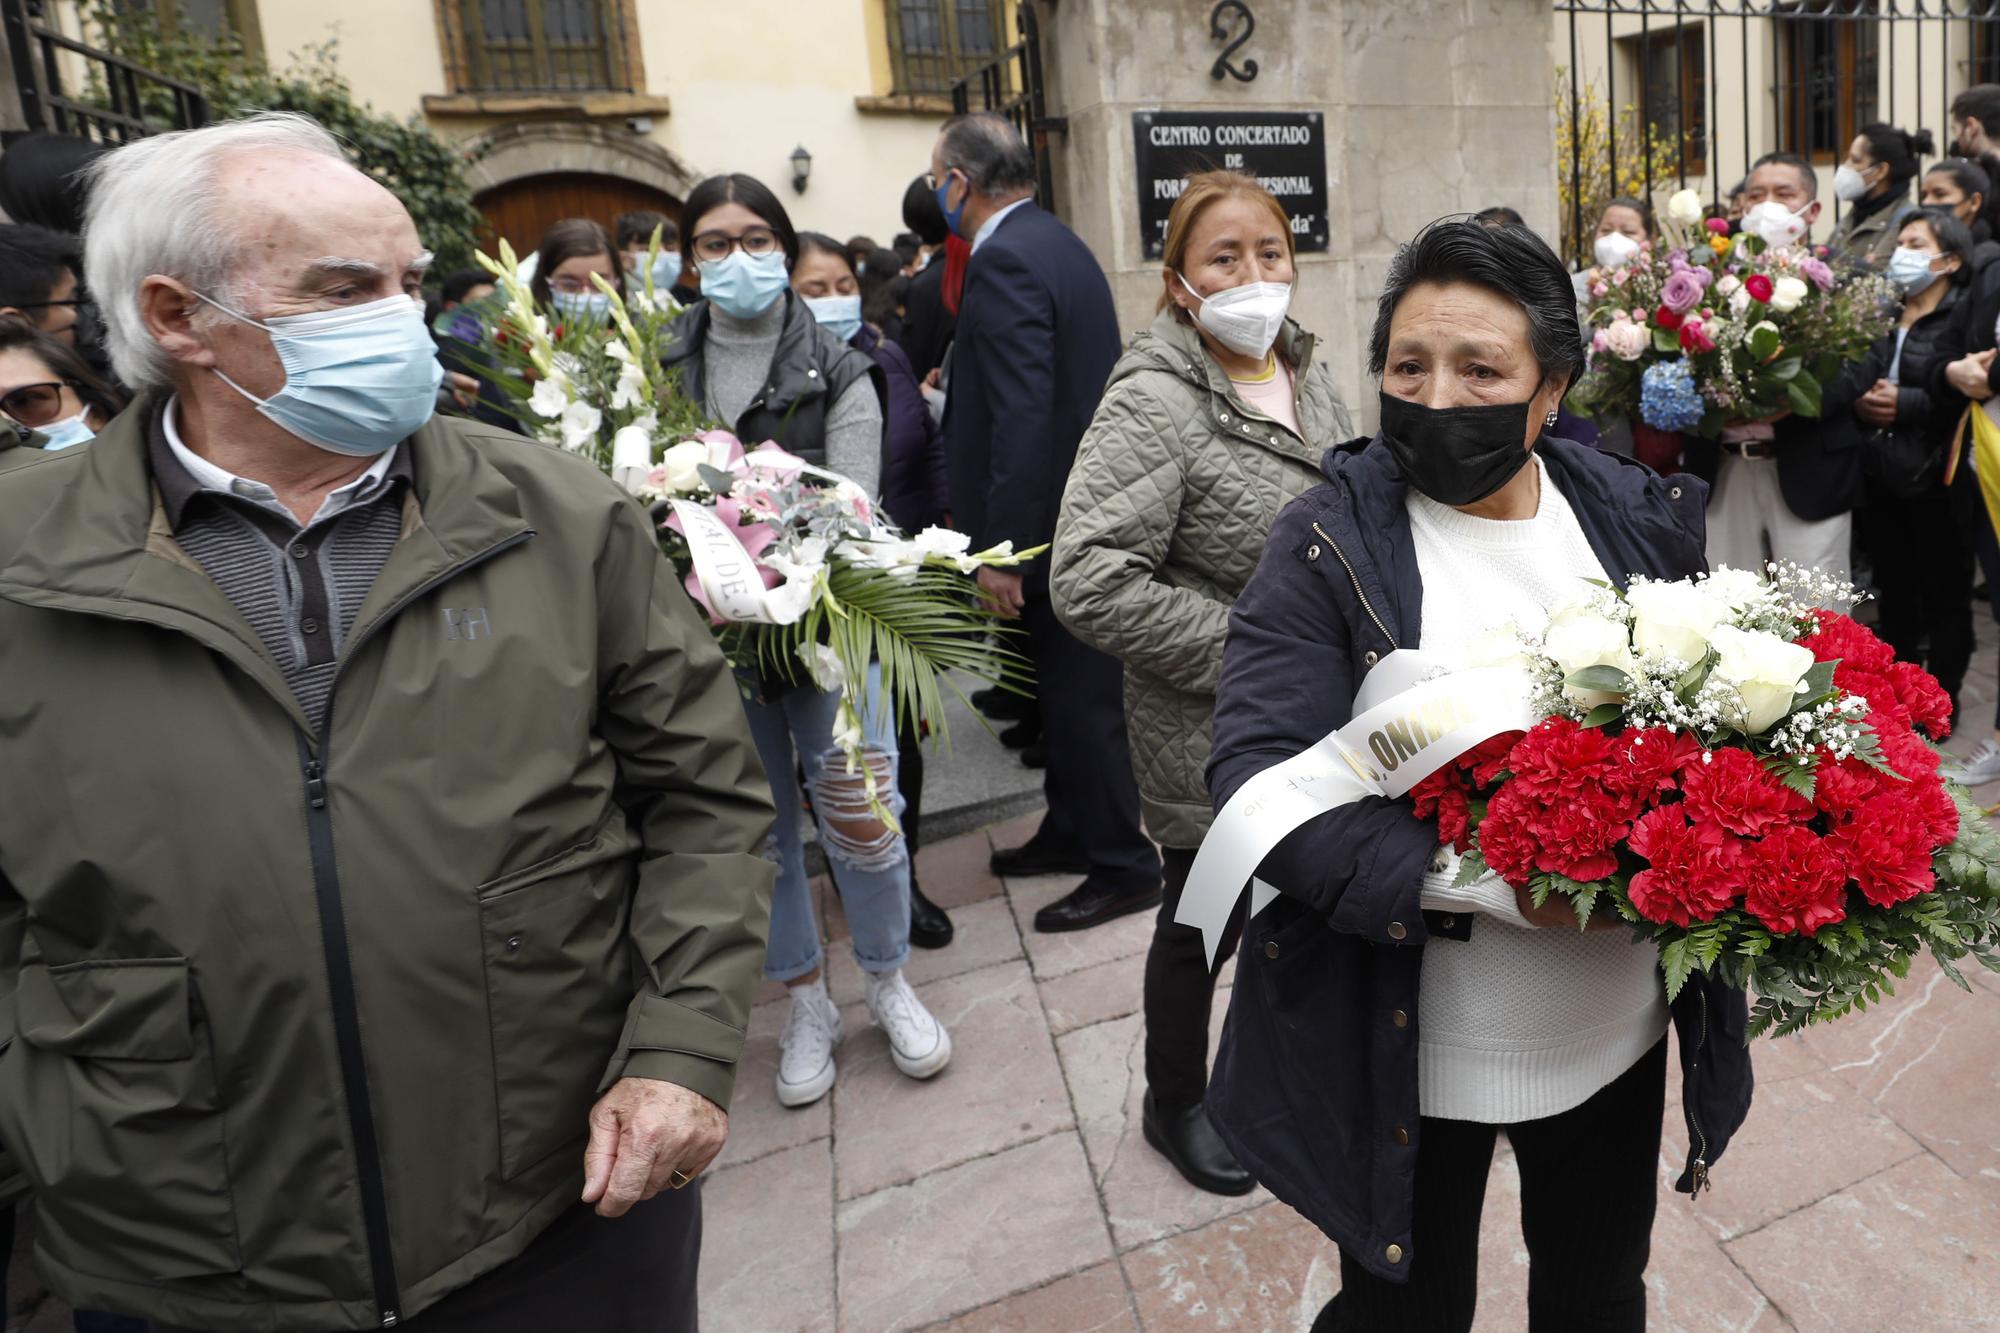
(1556, 913)
(641, 1132)
(1003, 591)
(1968, 375)
(1877, 407)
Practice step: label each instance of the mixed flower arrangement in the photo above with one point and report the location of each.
(804, 580)
(1742, 778)
(1707, 330)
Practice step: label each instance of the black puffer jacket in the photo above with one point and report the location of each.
(809, 372)
(1927, 408)
(1313, 1079)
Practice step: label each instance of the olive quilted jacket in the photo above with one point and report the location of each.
(1175, 486)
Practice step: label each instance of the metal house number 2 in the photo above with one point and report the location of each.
(1235, 9)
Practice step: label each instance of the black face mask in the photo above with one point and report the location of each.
(1456, 455)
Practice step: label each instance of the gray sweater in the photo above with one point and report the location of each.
(736, 357)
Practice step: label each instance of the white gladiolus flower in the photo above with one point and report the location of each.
(550, 397)
(631, 379)
(1674, 618)
(1765, 672)
(824, 665)
(579, 425)
(942, 541)
(618, 351)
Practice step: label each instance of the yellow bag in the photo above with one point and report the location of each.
(1984, 422)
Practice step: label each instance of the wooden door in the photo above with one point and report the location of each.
(521, 210)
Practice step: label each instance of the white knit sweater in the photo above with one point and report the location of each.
(1518, 1022)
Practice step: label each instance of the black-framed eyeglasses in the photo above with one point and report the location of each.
(713, 246)
(36, 405)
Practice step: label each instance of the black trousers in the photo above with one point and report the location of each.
(1180, 990)
(1093, 797)
(635, 1274)
(1589, 1183)
(1922, 553)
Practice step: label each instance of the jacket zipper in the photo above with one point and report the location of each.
(1698, 1168)
(1356, 580)
(340, 972)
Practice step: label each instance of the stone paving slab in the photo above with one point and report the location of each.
(767, 1244)
(1093, 1301)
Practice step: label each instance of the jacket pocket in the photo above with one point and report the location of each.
(108, 1097)
(558, 982)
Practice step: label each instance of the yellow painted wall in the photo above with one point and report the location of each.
(749, 81)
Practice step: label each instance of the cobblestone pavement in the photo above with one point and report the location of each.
(1014, 1192)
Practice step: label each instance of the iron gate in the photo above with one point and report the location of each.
(1011, 85)
(107, 98)
(1661, 94)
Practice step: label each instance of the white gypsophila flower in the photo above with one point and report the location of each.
(580, 422)
(550, 397)
(1765, 671)
(1674, 618)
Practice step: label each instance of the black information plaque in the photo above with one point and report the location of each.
(1285, 150)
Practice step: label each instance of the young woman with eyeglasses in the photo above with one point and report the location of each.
(46, 389)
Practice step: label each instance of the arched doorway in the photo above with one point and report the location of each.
(521, 210)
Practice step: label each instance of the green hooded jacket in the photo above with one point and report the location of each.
(301, 1031)
(1175, 486)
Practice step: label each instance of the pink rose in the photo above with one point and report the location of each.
(1625, 340)
(1682, 291)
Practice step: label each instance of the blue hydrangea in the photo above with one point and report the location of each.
(1668, 398)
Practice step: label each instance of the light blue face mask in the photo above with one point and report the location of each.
(841, 315)
(666, 270)
(357, 381)
(592, 306)
(1911, 270)
(745, 285)
(67, 432)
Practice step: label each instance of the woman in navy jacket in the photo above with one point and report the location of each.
(1316, 1085)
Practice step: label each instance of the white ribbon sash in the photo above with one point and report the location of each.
(727, 573)
(1404, 729)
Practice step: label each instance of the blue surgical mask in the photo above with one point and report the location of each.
(745, 285)
(951, 215)
(69, 431)
(666, 270)
(357, 381)
(1911, 270)
(840, 315)
(593, 306)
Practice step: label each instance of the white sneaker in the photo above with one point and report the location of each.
(918, 1043)
(805, 1050)
(1978, 768)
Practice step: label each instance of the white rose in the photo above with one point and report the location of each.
(1499, 646)
(679, 466)
(1787, 293)
(1765, 671)
(1579, 638)
(1674, 618)
(1685, 208)
(1735, 588)
(1728, 285)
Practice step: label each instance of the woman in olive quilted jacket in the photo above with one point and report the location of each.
(1214, 419)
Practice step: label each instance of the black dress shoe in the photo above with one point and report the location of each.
(1026, 732)
(1002, 705)
(1093, 904)
(930, 927)
(1035, 756)
(1186, 1139)
(1038, 856)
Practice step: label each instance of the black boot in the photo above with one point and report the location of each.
(930, 927)
(1186, 1139)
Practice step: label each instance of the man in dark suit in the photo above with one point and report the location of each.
(1037, 336)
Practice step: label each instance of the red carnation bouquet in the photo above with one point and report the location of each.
(1749, 782)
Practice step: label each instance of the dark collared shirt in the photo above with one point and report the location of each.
(298, 587)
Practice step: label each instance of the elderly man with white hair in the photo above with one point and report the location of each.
(380, 898)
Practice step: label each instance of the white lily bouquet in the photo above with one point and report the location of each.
(804, 580)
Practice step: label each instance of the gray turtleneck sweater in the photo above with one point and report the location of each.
(736, 358)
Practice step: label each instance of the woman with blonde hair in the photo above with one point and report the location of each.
(1214, 419)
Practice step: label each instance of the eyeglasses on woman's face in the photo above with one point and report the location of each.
(35, 405)
(714, 246)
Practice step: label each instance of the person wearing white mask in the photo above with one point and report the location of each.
(53, 399)
(1784, 489)
(1624, 231)
(1214, 419)
(1873, 186)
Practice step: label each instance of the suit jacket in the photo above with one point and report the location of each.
(1037, 337)
(926, 323)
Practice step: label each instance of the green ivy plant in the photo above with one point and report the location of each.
(424, 170)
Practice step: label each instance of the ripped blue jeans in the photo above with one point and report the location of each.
(870, 865)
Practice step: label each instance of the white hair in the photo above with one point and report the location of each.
(154, 208)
